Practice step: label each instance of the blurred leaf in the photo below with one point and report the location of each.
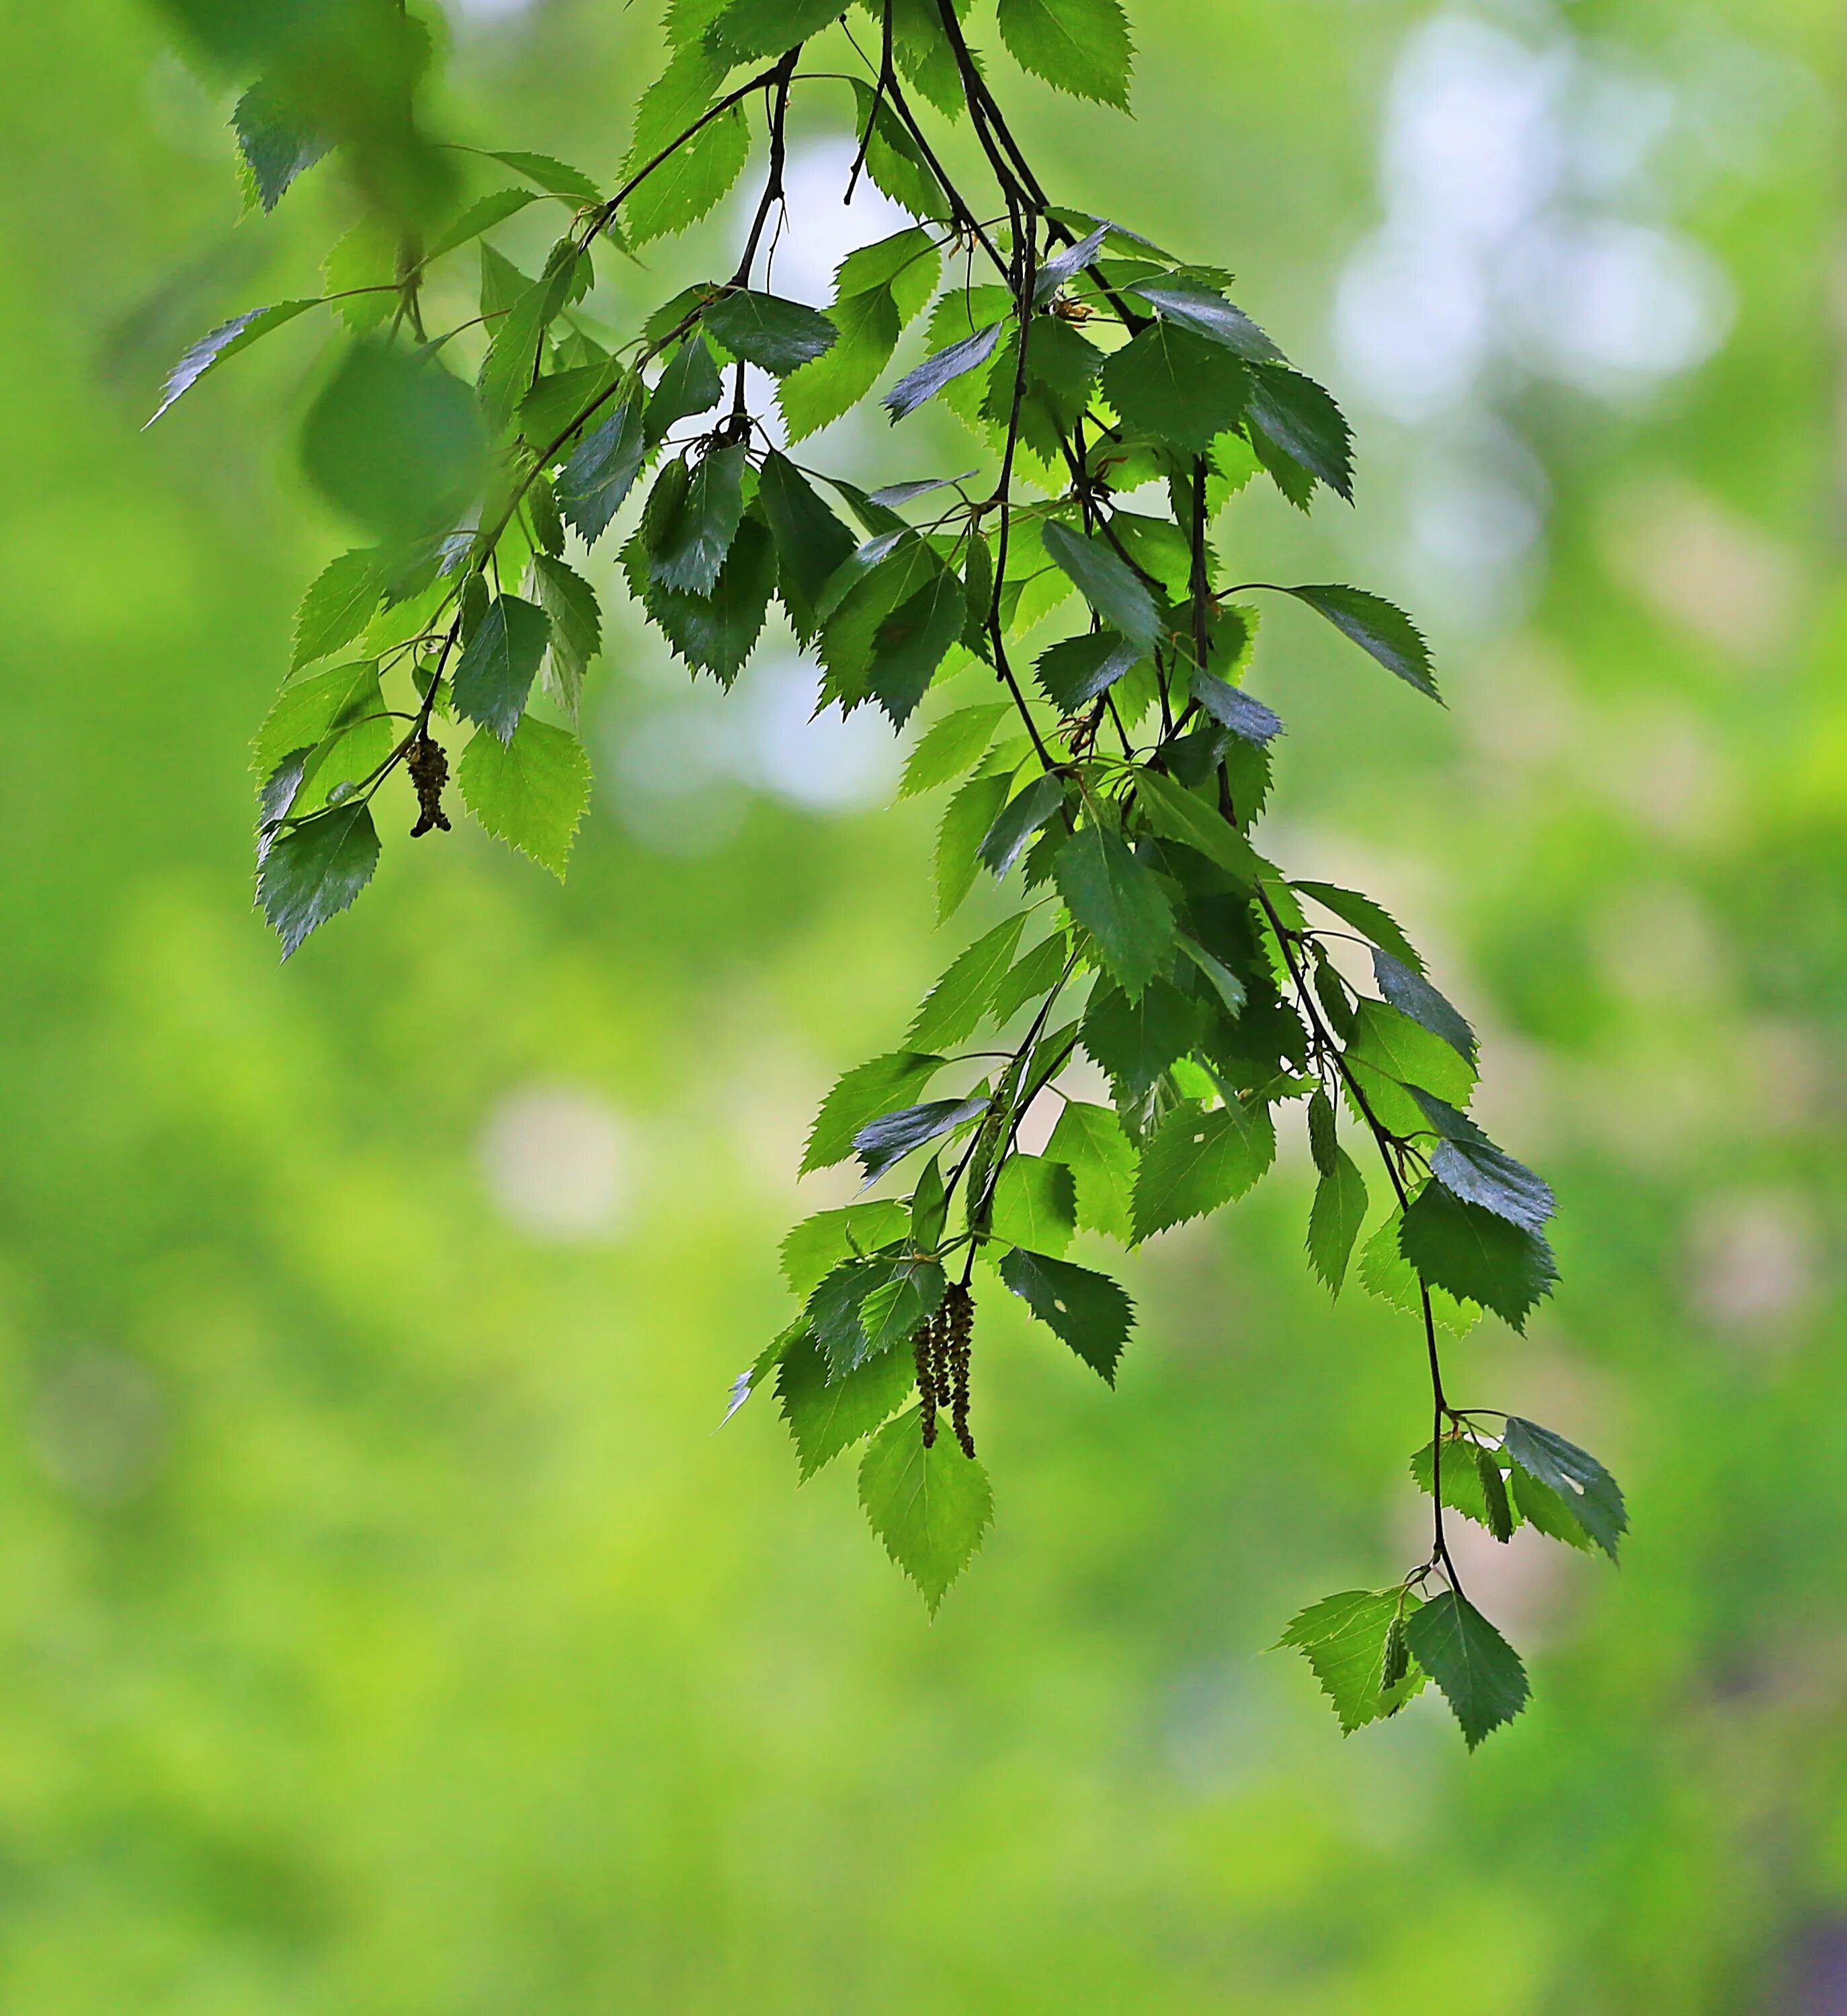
(532, 791)
(1478, 1671)
(315, 870)
(1198, 1161)
(276, 146)
(482, 215)
(1086, 1309)
(494, 674)
(863, 1094)
(931, 1507)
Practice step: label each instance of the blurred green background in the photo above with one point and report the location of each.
(383, 1627)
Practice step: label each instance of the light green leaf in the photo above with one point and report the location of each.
(1198, 1161)
(931, 1507)
(883, 1085)
(1089, 1139)
(1384, 1272)
(569, 604)
(955, 1004)
(1035, 1203)
(308, 711)
(869, 326)
(825, 1417)
(951, 746)
(555, 177)
(1335, 1217)
(1081, 46)
(338, 606)
(818, 1245)
(531, 792)
(1343, 1639)
(972, 811)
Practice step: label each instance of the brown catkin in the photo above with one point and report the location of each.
(924, 1343)
(958, 1320)
(429, 769)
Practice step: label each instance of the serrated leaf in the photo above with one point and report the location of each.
(1378, 628)
(1334, 1219)
(1412, 995)
(1035, 1203)
(1118, 901)
(812, 543)
(1462, 1477)
(555, 177)
(1019, 822)
(1587, 1490)
(1086, 1310)
(494, 674)
(910, 643)
(951, 746)
(338, 606)
(315, 870)
(1232, 708)
(1479, 1173)
(694, 179)
(532, 791)
(1107, 582)
(226, 341)
(1384, 1272)
(750, 28)
(274, 141)
(1090, 1141)
(817, 1246)
(1230, 990)
(1343, 1639)
(1034, 975)
(869, 326)
(931, 1507)
(714, 633)
(599, 476)
(894, 1311)
(692, 517)
(971, 812)
(1181, 815)
(893, 159)
(1473, 1254)
(863, 1094)
(1204, 311)
(1168, 385)
(955, 1004)
(688, 386)
(825, 1417)
(1389, 1054)
(1079, 46)
(1136, 1041)
(777, 335)
(1199, 1160)
(571, 607)
(1293, 423)
(1365, 916)
(482, 215)
(1073, 673)
(883, 1143)
(943, 368)
(1478, 1671)
(1494, 1493)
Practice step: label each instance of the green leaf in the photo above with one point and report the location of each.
(1226, 984)
(812, 543)
(1079, 46)
(1181, 815)
(1169, 385)
(893, 161)
(600, 474)
(1294, 425)
(1412, 995)
(482, 215)
(935, 372)
(1378, 627)
(308, 711)
(930, 1206)
(750, 28)
(555, 177)
(955, 1004)
(818, 1244)
(825, 1418)
(1473, 1253)
(315, 870)
(714, 633)
(689, 384)
(494, 673)
(1546, 1512)
(911, 642)
(1343, 1639)
(1118, 901)
(692, 517)
(1203, 311)
(1384, 1272)
(1388, 1053)
(1107, 582)
(1064, 267)
(695, 178)
(1334, 1219)
(1365, 916)
(1090, 1141)
(931, 1507)
(1587, 1490)
(1087, 1310)
(238, 333)
(778, 335)
(1035, 1203)
(883, 1143)
(868, 325)
(863, 1094)
(1136, 1041)
(894, 1311)
(1035, 975)
(971, 813)
(833, 1311)
(1072, 674)
(1478, 1671)
(1198, 1161)
(1021, 819)
(951, 746)
(1468, 1164)
(337, 605)
(532, 791)
(571, 607)
(510, 369)
(274, 142)
(1494, 1493)
(1232, 708)
(1463, 1488)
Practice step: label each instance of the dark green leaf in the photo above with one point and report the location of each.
(1546, 1512)
(863, 1094)
(1084, 1309)
(1072, 674)
(1334, 1219)
(1412, 995)
(1136, 1041)
(1478, 1671)
(1384, 1272)
(912, 641)
(315, 870)
(238, 333)
(1323, 1140)
(1588, 1491)
(599, 476)
(1204, 312)
(339, 605)
(825, 1418)
(1118, 901)
(971, 812)
(763, 330)
(1183, 816)
(895, 1310)
(1081, 46)
(494, 674)
(1090, 1140)
(1022, 818)
(1494, 1493)
(692, 517)
(1293, 422)
(714, 633)
(1476, 1170)
(1230, 990)
(812, 543)
(1034, 976)
(955, 1005)
(1171, 386)
(1378, 627)
(689, 385)
(833, 1311)
(931, 1507)
(935, 372)
(1198, 1161)
(883, 1143)
(532, 791)
(1474, 1254)
(1366, 917)
(1343, 1639)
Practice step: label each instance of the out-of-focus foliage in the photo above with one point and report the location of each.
(386, 1628)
